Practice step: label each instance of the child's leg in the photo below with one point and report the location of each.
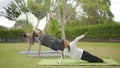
(90, 58)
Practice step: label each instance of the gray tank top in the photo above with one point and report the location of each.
(50, 42)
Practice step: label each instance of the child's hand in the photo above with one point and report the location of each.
(86, 33)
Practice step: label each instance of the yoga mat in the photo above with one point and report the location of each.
(45, 55)
(71, 62)
(35, 52)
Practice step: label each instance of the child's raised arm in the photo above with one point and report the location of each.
(79, 37)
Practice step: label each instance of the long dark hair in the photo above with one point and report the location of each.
(24, 35)
(69, 48)
(62, 42)
(33, 37)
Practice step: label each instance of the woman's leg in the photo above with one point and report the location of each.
(91, 58)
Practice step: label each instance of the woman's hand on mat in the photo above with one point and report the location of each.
(28, 56)
(59, 62)
(33, 56)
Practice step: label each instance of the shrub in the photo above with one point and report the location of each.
(106, 30)
(6, 34)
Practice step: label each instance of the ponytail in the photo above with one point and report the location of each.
(62, 42)
(33, 38)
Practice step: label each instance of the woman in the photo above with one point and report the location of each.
(43, 39)
(76, 53)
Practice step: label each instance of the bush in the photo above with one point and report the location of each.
(53, 28)
(103, 31)
(6, 34)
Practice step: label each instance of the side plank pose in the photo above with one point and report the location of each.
(76, 53)
(43, 39)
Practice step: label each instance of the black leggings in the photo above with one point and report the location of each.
(90, 58)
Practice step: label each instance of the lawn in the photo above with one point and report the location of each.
(9, 57)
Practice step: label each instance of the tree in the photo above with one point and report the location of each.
(14, 9)
(64, 11)
(97, 11)
(39, 8)
(53, 28)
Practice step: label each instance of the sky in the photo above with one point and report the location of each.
(3, 21)
(115, 9)
(115, 4)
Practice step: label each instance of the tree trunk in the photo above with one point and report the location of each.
(62, 30)
(61, 20)
(27, 18)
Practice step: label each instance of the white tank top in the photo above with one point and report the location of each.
(75, 53)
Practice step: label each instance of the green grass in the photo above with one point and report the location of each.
(9, 57)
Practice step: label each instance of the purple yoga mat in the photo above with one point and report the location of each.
(35, 52)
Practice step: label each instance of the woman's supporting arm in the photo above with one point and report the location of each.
(29, 48)
(39, 48)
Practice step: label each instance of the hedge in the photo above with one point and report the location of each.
(101, 31)
(12, 34)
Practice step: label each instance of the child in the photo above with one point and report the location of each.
(76, 53)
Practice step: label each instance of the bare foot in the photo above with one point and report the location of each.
(105, 62)
(58, 62)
